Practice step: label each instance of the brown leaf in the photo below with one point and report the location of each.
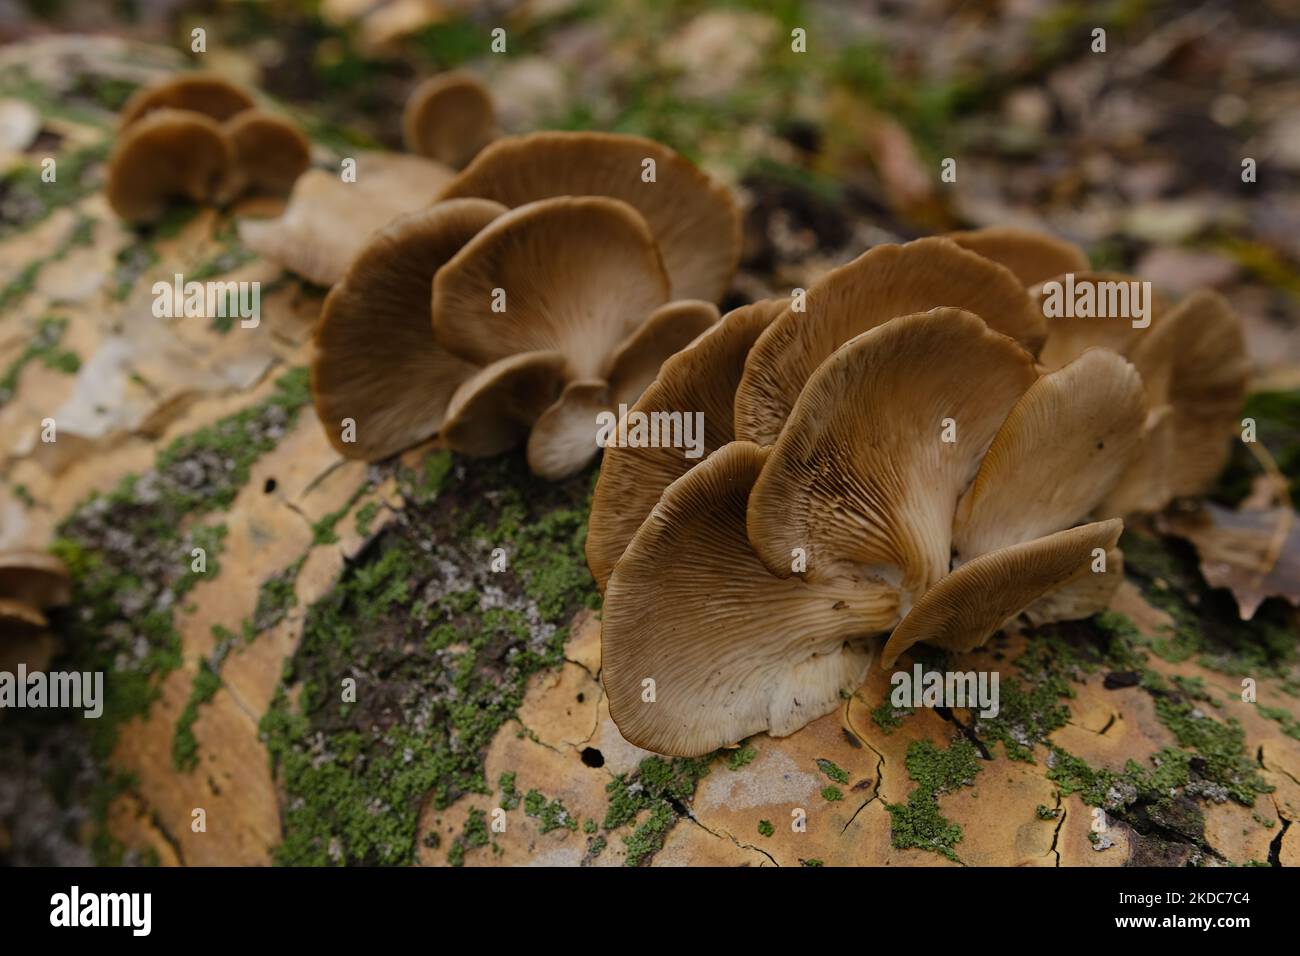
(1254, 553)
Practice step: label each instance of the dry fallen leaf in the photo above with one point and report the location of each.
(1254, 553)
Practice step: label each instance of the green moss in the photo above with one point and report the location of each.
(551, 815)
(590, 826)
(1046, 813)
(765, 828)
(407, 617)
(1290, 726)
(888, 718)
(28, 199)
(831, 770)
(43, 347)
(741, 757)
(918, 823)
(185, 747)
(509, 795)
(813, 862)
(662, 787)
(832, 794)
(366, 515)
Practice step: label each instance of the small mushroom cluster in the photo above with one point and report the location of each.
(912, 448)
(30, 582)
(201, 138)
(544, 286)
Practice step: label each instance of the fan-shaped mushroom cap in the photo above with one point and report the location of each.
(964, 608)
(861, 478)
(1082, 596)
(18, 620)
(167, 155)
(328, 221)
(664, 333)
(1033, 257)
(1063, 445)
(578, 276)
(1196, 357)
(696, 221)
(731, 650)
(563, 439)
(885, 282)
(205, 93)
(700, 378)
(36, 578)
(1146, 484)
(449, 118)
(494, 409)
(376, 359)
(270, 152)
(1069, 336)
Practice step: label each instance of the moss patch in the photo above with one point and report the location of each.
(440, 646)
(918, 823)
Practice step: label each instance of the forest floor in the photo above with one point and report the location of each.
(1121, 740)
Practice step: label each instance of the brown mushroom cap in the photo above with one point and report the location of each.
(695, 220)
(20, 620)
(732, 651)
(167, 155)
(1062, 447)
(204, 93)
(665, 332)
(376, 360)
(963, 609)
(1082, 596)
(328, 221)
(579, 275)
(700, 378)
(270, 152)
(1197, 356)
(1147, 483)
(563, 439)
(885, 282)
(449, 117)
(861, 478)
(495, 408)
(1069, 336)
(36, 578)
(1033, 257)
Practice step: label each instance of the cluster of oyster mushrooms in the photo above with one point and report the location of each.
(201, 138)
(916, 451)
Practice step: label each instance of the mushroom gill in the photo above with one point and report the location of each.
(919, 464)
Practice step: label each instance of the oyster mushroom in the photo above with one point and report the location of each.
(204, 93)
(167, 155)
(579, 277)
(270, 153)
(449, 118)
(200, 138)
(861, 503)
(701, 377)
(376, 360)
(887, 281)
(695, 220)
(1032, 257)
(493, 327)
